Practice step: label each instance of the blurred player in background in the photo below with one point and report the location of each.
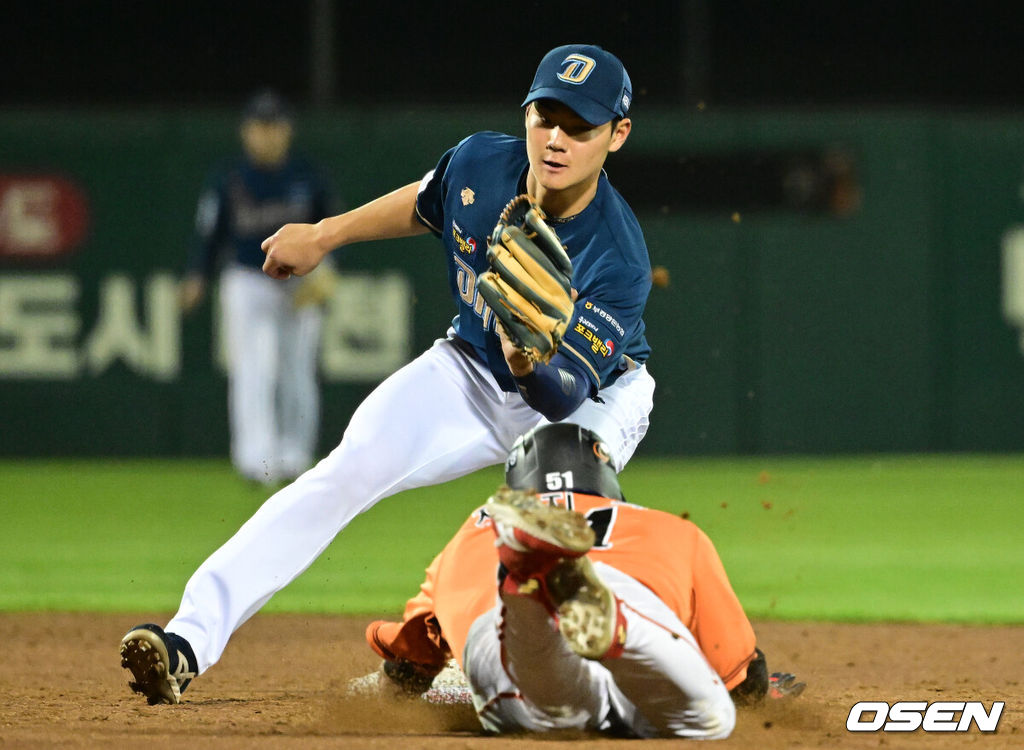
(587, 612)
(272, 329)
(460, 405)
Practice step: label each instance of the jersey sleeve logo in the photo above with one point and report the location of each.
(466, 245)
(576, 68)
(468, 196)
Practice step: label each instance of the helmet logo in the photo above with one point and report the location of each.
(601, 451)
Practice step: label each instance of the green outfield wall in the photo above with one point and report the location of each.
(805, 313)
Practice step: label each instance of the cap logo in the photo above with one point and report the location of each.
(576, 68)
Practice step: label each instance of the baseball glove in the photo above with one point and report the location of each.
(529, 283)
(316, 287)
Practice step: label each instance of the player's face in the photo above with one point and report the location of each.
(266, 143)
(566, 152)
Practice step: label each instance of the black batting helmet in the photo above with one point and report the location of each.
(561, 456)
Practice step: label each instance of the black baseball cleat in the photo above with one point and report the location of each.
(162, 664)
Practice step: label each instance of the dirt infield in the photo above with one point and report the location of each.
(281, 681)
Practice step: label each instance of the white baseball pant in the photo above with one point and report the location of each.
(439, 417)
(525, 677)
(273, 394)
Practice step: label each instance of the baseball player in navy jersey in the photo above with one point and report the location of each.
(272, 329)
(460, 405)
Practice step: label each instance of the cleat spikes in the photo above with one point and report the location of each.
(160, 664)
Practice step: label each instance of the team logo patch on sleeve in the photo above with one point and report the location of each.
(468, 196)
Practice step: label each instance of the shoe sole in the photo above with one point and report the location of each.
(587, 608)
(540, 526)
(144, 654)
(587, 617)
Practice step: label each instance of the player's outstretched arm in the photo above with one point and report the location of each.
(298, 248)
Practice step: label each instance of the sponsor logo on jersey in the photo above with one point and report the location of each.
(576, 68)
(468, 196)
(466, 245)
(606, 316)
(597, 346)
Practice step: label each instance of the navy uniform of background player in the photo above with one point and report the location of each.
(272, 331)
(461, 404)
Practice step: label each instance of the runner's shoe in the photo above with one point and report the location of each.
(534, 536)
(543, 550)
(162, 664)
(589, 614)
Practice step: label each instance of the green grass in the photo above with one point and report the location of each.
(936, 538)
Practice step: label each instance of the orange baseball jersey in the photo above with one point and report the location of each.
(669, 555)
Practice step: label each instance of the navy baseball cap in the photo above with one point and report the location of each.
(267, 106)
(593, 83)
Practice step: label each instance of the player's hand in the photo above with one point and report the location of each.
(191, 293)
(293, 250)
(519, 364)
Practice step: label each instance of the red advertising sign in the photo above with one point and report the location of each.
(41, 216)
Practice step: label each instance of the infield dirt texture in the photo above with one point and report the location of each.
(281, 685)
(874, 541)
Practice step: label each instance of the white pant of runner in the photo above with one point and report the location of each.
(528, 679)
(273, 394)
(440, 417)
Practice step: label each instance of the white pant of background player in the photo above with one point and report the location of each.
(273, 394)
(440, 417)
(525, 677)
